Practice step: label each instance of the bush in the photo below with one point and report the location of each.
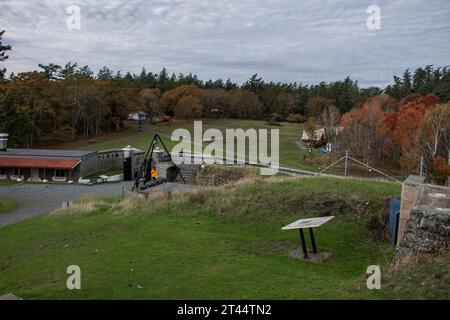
(295, 117)
(272, 122)
(441, 170)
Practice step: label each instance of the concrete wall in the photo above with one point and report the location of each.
(88, 165)
(434, 195)
(102, 161)
(138, 158)
(410, 195)
(107, 160)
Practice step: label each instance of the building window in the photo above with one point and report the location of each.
(60, 173)
(16, 171)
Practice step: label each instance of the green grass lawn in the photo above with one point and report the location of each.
(290, 154)
(223, 243)
(7, 206)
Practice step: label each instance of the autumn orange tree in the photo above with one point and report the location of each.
(244, 104)
(407, 134)
(360, 134)
(419, 129)
(434, 131)
(150, 102)
(216, 103)
(188, 107)
(441, 170)
(169, 99)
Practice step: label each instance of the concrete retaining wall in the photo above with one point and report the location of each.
(427, 232)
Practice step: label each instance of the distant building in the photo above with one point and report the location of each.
(137, 116)
(40, 165)
(319, 136)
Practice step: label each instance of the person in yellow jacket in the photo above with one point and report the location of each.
(154, 173)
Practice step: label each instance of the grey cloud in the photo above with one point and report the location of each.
(286, 40)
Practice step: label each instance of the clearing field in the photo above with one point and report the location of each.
(221, 243)
(290, 153)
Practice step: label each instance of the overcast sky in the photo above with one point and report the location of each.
(292, 40)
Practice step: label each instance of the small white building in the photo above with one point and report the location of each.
(319, 135)
(137, 116)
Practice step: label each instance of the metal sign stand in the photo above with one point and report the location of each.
(303, 242)
(308, 223)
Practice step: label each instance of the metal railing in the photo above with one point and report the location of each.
(346, 159)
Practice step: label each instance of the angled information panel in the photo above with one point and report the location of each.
(307, 223)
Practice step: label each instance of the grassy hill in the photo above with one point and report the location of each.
(222, 243)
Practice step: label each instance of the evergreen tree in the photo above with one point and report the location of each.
(3, 56)
(68, 70)
(105, 74)
(51, 70)
(85, 72)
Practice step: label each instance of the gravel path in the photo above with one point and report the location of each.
(38, 199)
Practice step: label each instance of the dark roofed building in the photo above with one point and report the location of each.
(46, 165)
(46, 153)
(56, 165)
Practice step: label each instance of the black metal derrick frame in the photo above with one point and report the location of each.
(148, 161)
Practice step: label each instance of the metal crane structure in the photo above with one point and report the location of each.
(143, 176)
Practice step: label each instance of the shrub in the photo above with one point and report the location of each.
(295, 117)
